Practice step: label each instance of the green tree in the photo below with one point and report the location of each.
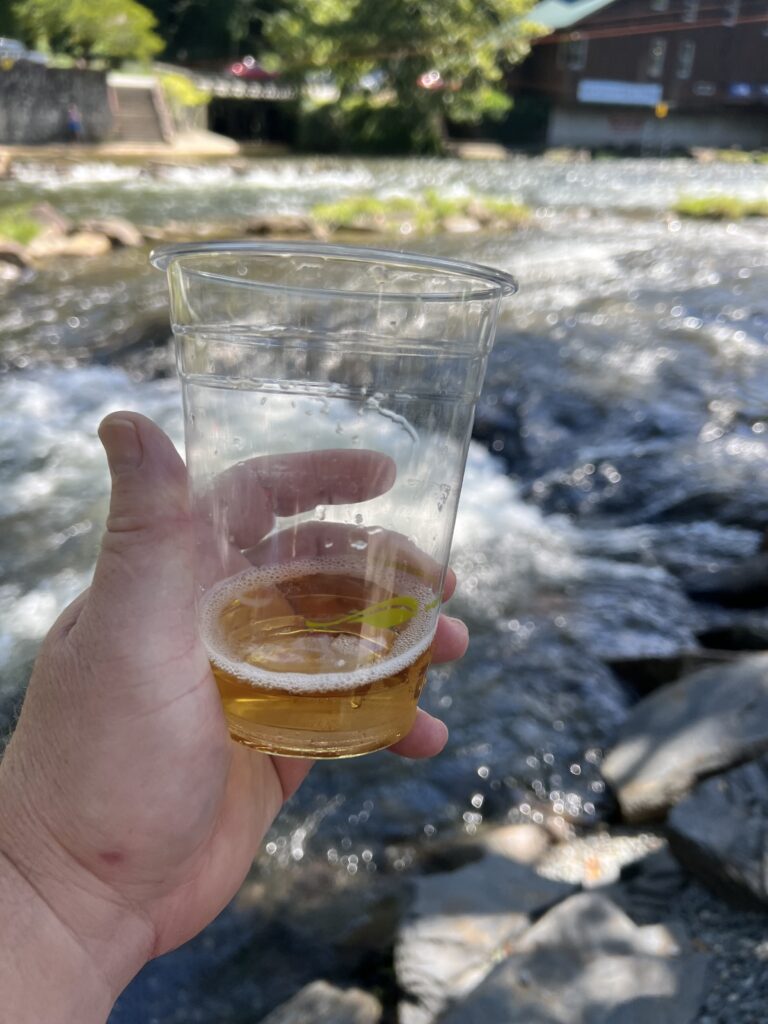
(471, 43)
(211, 30)
(112, 29)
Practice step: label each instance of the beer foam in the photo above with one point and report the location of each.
(414, 639)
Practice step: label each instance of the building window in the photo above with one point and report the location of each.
(690, 10)
(731, 12)
(686, 52)
(573, 55)
(657, 51)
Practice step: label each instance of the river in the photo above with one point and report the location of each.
(621, 443)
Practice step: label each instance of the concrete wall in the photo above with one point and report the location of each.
(34, 101)
(638, 128)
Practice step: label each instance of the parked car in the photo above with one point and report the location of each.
(11, 49)
(250, 69)
(14, 49)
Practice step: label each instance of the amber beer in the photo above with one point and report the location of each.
(315, 659)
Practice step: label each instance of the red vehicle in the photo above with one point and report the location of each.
(250, 69)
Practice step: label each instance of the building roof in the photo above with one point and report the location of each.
(555, 14)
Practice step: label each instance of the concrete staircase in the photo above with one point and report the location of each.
(137, 114)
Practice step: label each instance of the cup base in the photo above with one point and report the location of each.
(296, 743)
(324, 723)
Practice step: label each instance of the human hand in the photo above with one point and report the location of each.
(123, 802)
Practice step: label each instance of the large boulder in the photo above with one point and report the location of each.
(323, 1002)
(13, 254)
(720, 832)
(706, 722)
(89, 244)
(744, 585)
(586, 962)
(51, 219)
(460, 923)
(119, 231)
(281, 224)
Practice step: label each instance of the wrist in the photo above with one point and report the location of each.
(69, 946)
(45, 974)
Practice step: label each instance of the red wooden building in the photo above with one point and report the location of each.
(650, 74)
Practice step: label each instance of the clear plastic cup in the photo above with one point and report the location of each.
(329, 394)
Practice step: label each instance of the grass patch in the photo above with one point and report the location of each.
(720, 207)
(424, 214)
(740, 156)
(17, 224)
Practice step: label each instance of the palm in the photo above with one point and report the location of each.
(122, 744)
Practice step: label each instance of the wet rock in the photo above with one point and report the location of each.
(281, 224)
(180, 231)
(50, 218)
(523, 843)
(596, 860)
(321, 1002)
(645, 675)
(9, 273)
(586, 962)
(119, 231)
(82, 243)
(744, 585)
(743, 634)
(459, 925)
(706, 722)
(13, 254)
(720, 832)
(478, 210)
(649, 887)
(456, 224)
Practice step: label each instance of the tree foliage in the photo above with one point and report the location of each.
(112, 29)
(470, 42)
(210, 31)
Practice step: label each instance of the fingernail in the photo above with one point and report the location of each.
(122, 445)
(458, 622)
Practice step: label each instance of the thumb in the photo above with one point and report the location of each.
(142, 596)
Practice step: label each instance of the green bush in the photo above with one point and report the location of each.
(181, 91)
(720, 207)
(319, 130)
(424, 214)
(361, 125)
(17, 224)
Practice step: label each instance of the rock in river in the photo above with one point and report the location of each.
(720, 832)
(323, 1002)
(13, 254)
(586, 962)
(460, 924)
(118, 230)
(706, 722)
(744, 585)
(50, 245)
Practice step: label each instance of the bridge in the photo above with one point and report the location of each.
(228, 87)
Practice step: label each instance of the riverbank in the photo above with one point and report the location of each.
(193, 145)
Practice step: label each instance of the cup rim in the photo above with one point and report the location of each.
(499, 283)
